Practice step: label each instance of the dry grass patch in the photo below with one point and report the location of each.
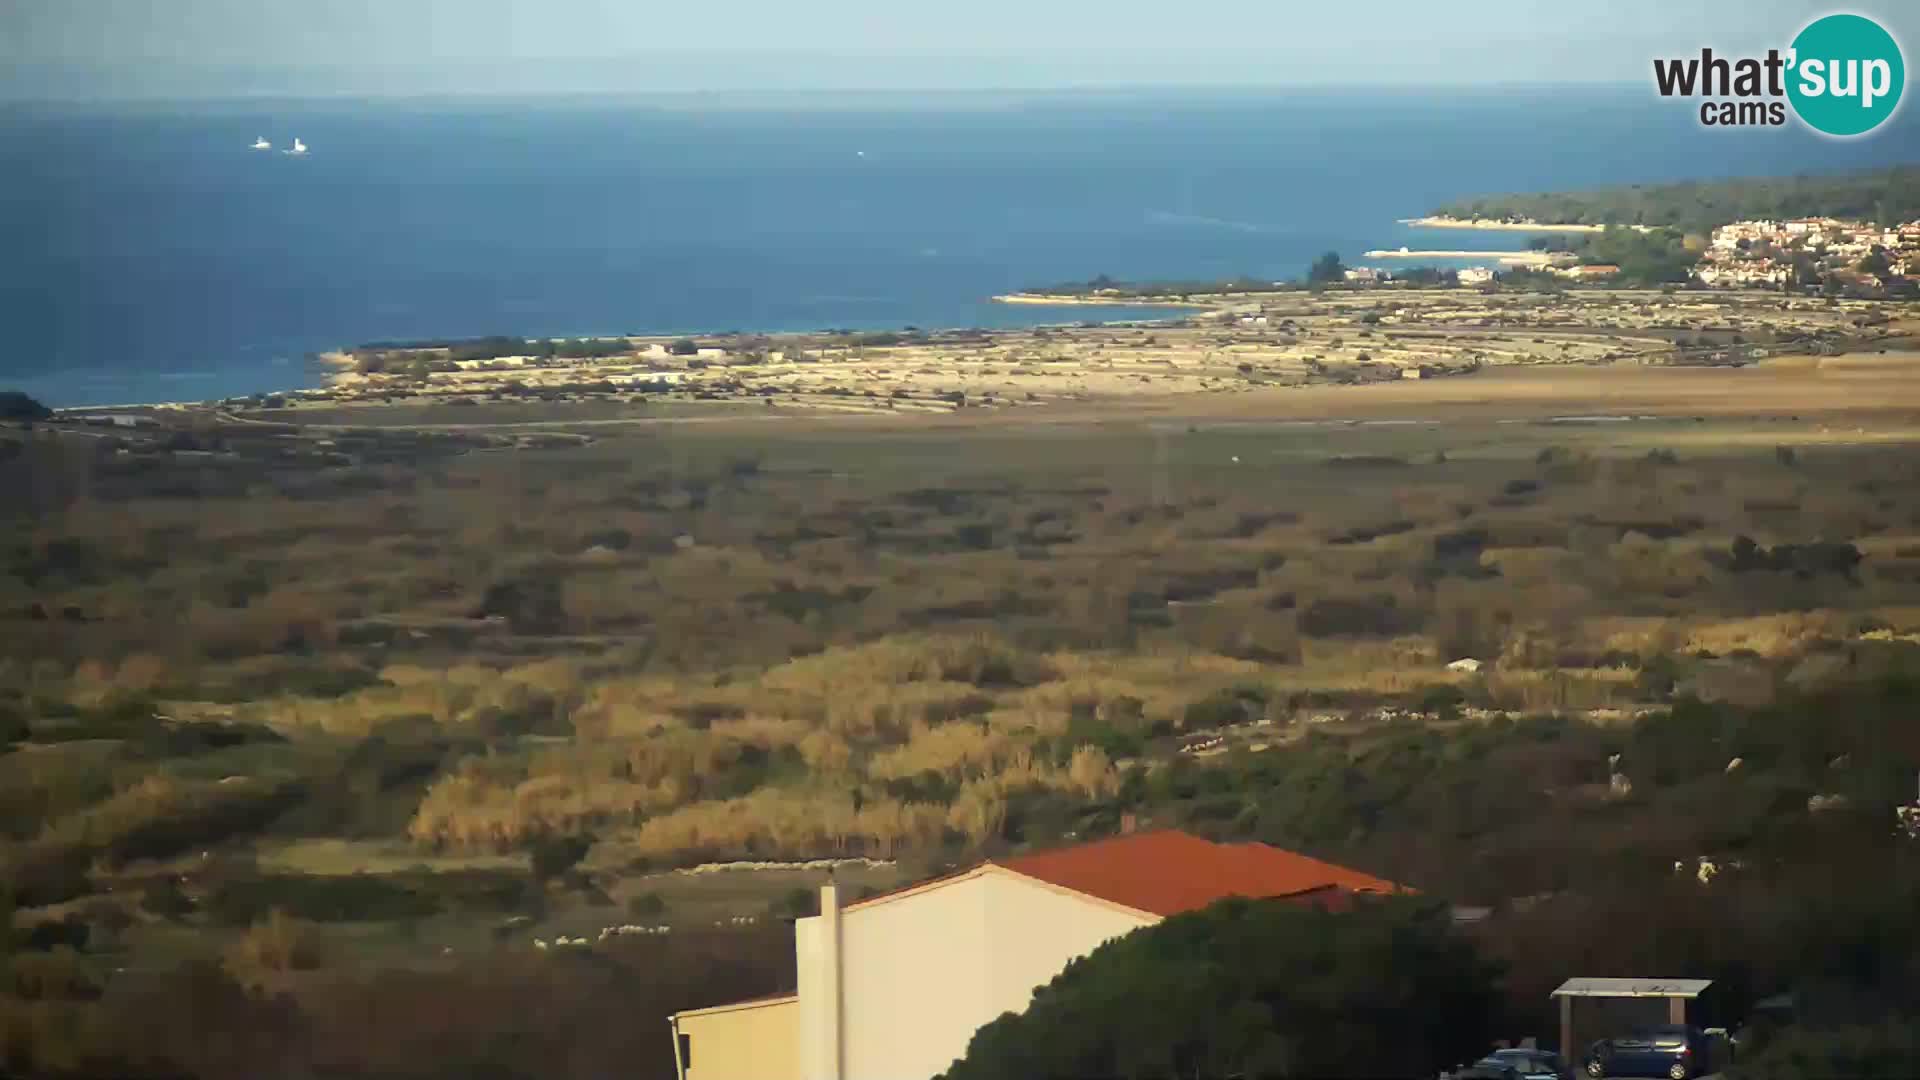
(948, 749)
(1780, 634)
(1556, 691)
(275, 947)
(784, 824)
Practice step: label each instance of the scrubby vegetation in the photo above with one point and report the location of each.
(1645, 257)
(15, 405)
(424, 356)
(293, 746)
(1887, 1051)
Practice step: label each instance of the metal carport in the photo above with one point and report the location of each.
(1677, 992)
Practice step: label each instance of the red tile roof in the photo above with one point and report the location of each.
(1169, 872)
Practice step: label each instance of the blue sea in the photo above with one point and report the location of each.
(150, 255)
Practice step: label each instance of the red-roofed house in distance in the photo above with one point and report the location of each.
(894, 986)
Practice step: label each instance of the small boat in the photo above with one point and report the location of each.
(298, 147)
(261, 143)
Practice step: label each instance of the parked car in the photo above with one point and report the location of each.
(1674, 1051)
(1517, 1064)
(1482, 1070)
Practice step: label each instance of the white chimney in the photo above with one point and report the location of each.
(818, 951)
(830, 925)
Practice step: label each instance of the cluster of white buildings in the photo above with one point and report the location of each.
(1587, 271)
(1763, 252)
(1373, 275)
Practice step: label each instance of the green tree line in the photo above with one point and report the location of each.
(1255, 989)
(493, 347)
(1884, 195)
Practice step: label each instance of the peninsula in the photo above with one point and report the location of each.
(1223, 340)
(1484, 224)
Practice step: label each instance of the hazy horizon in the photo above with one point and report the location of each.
(199, 49)
(889, 98)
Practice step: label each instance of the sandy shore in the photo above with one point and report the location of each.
(1089, 301)
(1494, 225)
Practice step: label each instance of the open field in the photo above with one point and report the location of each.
(1855, 384)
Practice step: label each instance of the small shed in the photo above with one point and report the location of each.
(1677, 993)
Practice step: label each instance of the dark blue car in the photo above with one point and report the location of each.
(1673, 1051)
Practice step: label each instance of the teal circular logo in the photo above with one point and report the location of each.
(1846, 75)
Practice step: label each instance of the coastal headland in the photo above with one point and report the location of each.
(1255, 348)
(1441, 221)
(1515, 258)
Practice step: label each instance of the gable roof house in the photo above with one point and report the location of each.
(893, 987)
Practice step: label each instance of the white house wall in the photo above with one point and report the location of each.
(1036, 930)
(915, 981)
(750, 1042)
(816, 1020)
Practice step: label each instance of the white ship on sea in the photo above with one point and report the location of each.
(298, 147)
(261, 143)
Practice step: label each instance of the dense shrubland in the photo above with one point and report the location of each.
(1261, 989)
(550, 660)
(524, 679)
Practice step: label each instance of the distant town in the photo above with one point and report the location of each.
(1774, 252)
(1836, 255)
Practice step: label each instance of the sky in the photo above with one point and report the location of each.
(221, 48)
